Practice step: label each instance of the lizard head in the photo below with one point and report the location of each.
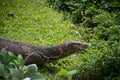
(77, 45)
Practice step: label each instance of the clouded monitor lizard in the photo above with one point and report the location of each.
(34, 54)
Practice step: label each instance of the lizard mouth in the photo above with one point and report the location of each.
(81, 46)
(78, 45)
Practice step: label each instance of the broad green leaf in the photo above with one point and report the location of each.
(72, 72)
(84, 0)
(27, 78)
(20, 59)
(33, 67)
(3, 71)
(34, 75)
(12, 56)
(16, 74)
(4, 57)
(63, 71)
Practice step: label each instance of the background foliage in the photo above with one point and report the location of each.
(93, 21)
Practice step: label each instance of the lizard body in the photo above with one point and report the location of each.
(41, 54)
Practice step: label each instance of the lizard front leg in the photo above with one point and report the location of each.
(34, 58)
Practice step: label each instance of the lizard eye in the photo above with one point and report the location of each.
(68, 44)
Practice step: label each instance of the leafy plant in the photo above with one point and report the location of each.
(65, 73)
(13, 68)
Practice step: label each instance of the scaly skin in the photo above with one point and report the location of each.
(39, 55)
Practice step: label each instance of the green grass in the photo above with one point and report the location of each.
(35, 23)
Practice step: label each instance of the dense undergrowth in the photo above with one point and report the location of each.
(95, 22)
